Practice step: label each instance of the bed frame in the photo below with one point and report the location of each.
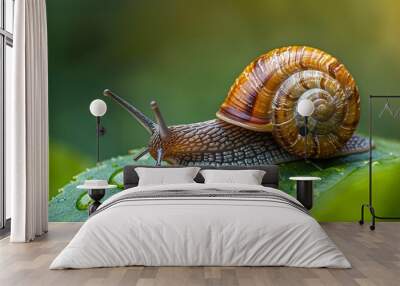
(271, 177)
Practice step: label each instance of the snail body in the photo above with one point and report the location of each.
(258, 122)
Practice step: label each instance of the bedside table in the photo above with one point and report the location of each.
(304, 190)
(96, 191)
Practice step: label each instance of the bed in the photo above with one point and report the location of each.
(198, 224)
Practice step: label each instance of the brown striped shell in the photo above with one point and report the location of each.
(264, 98)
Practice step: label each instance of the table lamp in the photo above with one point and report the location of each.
(98, 108)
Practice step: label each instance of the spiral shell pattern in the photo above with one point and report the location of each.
(265, 96)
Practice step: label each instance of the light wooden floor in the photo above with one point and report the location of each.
(375, 257)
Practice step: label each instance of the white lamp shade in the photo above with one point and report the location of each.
(98, 107)
(305, 107)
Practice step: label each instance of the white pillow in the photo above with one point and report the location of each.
(165, 176)
(248, 177)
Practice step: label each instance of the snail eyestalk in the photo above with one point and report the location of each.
(163, 128)
(145, 121)
(141, 154)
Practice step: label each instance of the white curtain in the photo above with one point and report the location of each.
(27, 123)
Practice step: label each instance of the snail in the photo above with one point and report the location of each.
(258, 121)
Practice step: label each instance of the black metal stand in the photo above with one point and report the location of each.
(304, 191)
(96, 195)
(100, 131)
(369, 205)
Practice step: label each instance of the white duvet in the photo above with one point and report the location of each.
(200, 231)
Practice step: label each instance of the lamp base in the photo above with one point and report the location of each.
(96, 195)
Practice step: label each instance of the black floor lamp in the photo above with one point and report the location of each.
(98, 108)
(369, 205)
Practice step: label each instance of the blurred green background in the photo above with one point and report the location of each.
(186, 54)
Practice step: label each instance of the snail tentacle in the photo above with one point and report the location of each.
(163, 128)
(145, 121)
(139, 155)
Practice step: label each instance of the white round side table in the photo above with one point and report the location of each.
(304, 190)
(96, 190)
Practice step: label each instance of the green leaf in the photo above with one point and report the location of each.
(338, 196)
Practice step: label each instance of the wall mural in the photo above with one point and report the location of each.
(256, 123)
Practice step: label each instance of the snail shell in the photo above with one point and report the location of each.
(264, 98)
